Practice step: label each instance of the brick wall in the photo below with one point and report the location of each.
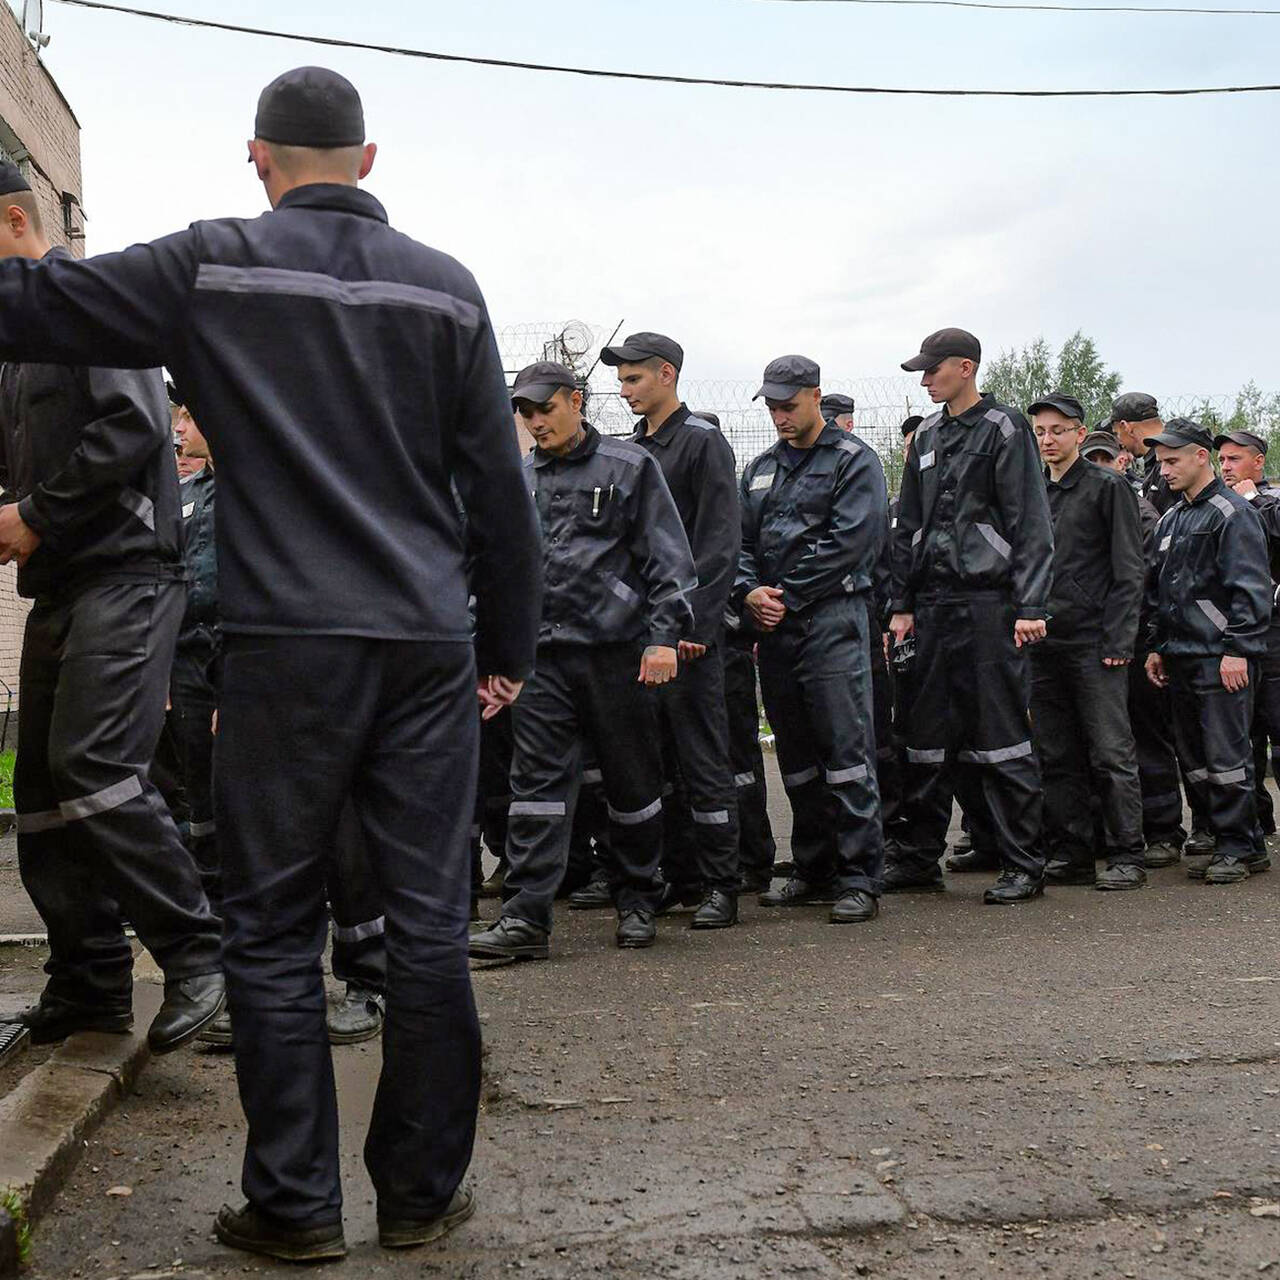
(39, 129)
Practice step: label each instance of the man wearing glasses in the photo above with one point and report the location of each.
(1079, 675)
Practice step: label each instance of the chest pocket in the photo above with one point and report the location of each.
(597, 508)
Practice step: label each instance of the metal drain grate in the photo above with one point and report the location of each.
(13, 1036)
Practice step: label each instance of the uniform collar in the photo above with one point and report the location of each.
(829, 435)
(1071, 477)
(971, 416)
(333, 195)
(590, 439)
(667, 432)
(1215, 486)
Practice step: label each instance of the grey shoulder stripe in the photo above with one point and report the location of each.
(280, 281)
(1002, 420)
(849, 446)
(633, 455)
(140, 505)
(1223, 504)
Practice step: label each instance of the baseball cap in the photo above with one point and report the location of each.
(310, 107)
(1134, 406)
(1180, 432)
(833, 406)
(1101, 442)
(1245, 438)
(537, 383)
(1066, 405)
(786, 375)
(636, 347)
(11, 179)
(938, 346)
(910, 424)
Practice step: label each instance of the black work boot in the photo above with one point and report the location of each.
(1200, 843)
(190, 1005)
(1013, 886)
(492, 887)
(1063, 871)
(677, 897)
(1162, 853)
(510, 939)
(357, 1016)
(719, 910)
(1123, 875)
(253, 1231)
(1223, 868)
(799, 893)
(756, 880)
(52, 1019)
(636, 929)
(595, 895)
(905, 879)
(404, 1233)
(854, 907)
(972, 860)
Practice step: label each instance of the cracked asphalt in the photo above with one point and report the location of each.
(1085, 1086)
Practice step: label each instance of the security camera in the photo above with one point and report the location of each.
(39, 38)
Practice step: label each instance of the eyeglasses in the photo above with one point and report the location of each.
(1056, 432)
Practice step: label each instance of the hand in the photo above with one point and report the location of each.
(886, 641)
(767, 609)
(1115, 662)
(17, 538)
(901, 625)
(1246, 488)
(496, 693)
(213, 723)
(689, 651)
(1029, 631)
(658, 665)
(1235, 673)
(1155, 671)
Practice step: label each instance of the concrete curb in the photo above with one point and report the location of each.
(44, 1122)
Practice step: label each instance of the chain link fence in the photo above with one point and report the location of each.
(882, 403)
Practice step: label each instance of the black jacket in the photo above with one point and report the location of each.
(616, 560)
(1153, 486)
(343, 374)
(1098, 569)
(199, 553)
(1208, 588)
(815, 528)
(701, 473)
(1267, 504)
(972, 515)
(87, 455)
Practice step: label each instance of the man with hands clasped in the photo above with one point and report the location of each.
(618, 577)
(1209, 596)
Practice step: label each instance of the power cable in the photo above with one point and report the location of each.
(335, 42)
(1053, 8)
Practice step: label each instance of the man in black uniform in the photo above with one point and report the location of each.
(699, 469)
(619, 578)
(814, 520)
(972, 557)
(1135, 416)
(1209, 597)
(1079, 685)
(90, 514)
(1242, 456)
(344, 376)
(839, 409)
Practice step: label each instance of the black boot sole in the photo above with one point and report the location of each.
(57, 1032)
(285, 1250)
(158, 1050)
(408, 1235)
(635, 944)
(695, 923)
(511, 953)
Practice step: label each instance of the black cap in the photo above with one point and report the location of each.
(310, 107)
(1134, 406)
(11, 179)
(1180, 432)
(938, 346)
(1245, 438)
(1068, 406)
(537, 383)
(834, 405)
(1101, 442)
(636, 347)
(175, 396)
(707, 416)
(910, 424)
(786, 375)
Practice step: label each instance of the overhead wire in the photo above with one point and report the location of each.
(336, 42)
(1055, 8)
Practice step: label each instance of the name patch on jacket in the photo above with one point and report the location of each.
(926, 460)
(762, 481)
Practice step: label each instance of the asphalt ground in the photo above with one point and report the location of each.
(1084, 1086)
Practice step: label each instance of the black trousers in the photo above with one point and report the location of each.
(582, 692)
(359, 922)
(1151, 718)
(1266, 731)
(589, 852)
(493, 795)
(695, 750)
(756, 847)
(306, 722)
(968, 715)
(193, 691)
(1080, 718)
(815, 677)
(93, 831)
(1211, 727)
(888, 765)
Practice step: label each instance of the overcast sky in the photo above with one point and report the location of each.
(749, 223)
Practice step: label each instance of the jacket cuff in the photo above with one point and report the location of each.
(32, 518)
(665, 639)
(793, 602)
(1031, 614)
(901, 604)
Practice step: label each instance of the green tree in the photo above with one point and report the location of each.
(1019, 378)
